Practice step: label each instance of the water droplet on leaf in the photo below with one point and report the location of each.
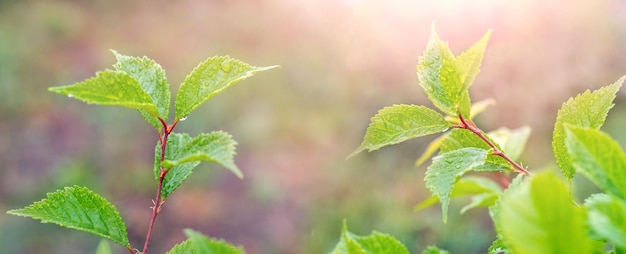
(70, 95)
(183, 119)
(226, 67)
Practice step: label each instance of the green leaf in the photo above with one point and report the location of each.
(462, 138)
(467, 186)
(447, 168)
(587, 110)
(374, 243)
(497, 247)
(468, 63)
(512, 142)
(430, 150)
(151, 77)
(538, 216)
(607, 218)
(434, 250)
(79, 208)
(597, 156)
(184, 153)
(103, 247)
(209, 78)
(200, 244)
(440, 78)
(399, 123)
(110, 88)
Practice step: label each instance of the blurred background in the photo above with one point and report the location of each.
(341, 61)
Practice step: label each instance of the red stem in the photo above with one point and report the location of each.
(158, 203)
(469, 125)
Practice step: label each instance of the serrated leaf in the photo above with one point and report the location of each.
(109, 87)
(439, 77)
(79, 208)
(374, 243)
(434, 250)
(535, 220)
(151, 77)
(184, 153)
(447, 168)
(398, 123)
(587, 110)
(607, 218)
(597, 156)
(462, 138)
(210, 78)
(200, 244)
(512, 142)
(497, 247)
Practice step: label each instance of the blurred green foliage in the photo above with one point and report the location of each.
(340, 62)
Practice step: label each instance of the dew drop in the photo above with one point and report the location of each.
(226, 67)
(70, 95)
(183, 119)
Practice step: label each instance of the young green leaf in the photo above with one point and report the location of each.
(151, 77)
(79, 208)
(209, 78)
(462, 138)
(110, 88)
(374, 243)
(468, 63)
(585, 110)
(597, 156)
(607, 218)
(183, 153)
(447, 168)
(512, 142)
(469, 185)
(200, 244)
(399, 123)
(434, 250)
(440, 78)
(430, 150)
(533, 220)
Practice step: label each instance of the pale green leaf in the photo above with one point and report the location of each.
(538, 216)
(151, 77)
(462, 138)
(374, 243)
(434, 250)
(588, 110)
(439, 76)
(607, 218)
(481, 106)
(512, 142)
(79, 208)
(447, 168)
(597, 156)
(183, 153)
(399, 123)
(103, 247)
(200, 244)
(481, 200)
(209, 78)
(430, 150)
(468, 63)
(109, 87)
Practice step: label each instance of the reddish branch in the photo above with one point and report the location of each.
(157, 202)
(469, 125)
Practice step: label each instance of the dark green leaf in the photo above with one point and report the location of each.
(588, 110)
(79, 208)
(399, 123)
(209, 78)
(447, 168)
